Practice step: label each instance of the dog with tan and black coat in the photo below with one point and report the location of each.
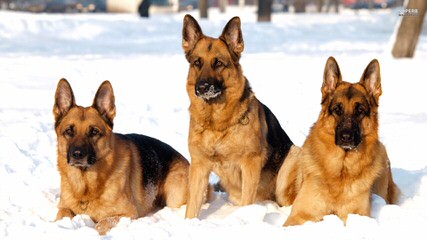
(342, 161)
(231, 132)
(107, 175)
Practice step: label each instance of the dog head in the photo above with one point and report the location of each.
(214, 62)
(352, 108)
(83, 132)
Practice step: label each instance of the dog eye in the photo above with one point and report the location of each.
(337, 109)
(360, 109)
(197, 63)
(94, 132)
(69, 131)
(218, 64)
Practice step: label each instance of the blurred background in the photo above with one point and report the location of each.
(74, 6)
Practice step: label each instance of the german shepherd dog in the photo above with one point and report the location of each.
(342, 160)
(231, 132)
(108, 175)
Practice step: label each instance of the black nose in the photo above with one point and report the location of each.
(202, 87)
(78, 152)
(347, 136)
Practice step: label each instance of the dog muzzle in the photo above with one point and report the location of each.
(209, 89)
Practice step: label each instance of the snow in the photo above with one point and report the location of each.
(143, 59)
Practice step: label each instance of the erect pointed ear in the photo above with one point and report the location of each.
(232, 35)
(371, 79)
(191, 33)
(104, 102)
(331, 77)
(64, 99)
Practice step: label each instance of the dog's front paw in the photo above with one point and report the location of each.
(294, 220)
(64, 212)
(291, 222)
(106, 224)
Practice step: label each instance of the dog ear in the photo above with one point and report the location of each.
(191, 33)
(232, 35)
(331, 77)
(371, 79)
(104, 102)
(64, 99)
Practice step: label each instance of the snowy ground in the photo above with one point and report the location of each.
(143, 59)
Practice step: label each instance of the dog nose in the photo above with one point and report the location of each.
(347, 136)
(78, 153)
(202, 87)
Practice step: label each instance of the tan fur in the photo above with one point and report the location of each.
(321, 178)
(289, 178)
(227, 137)
(111, 188)
(176, 184)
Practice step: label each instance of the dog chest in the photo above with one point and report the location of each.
(223, 145)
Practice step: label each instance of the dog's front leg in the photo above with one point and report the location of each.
(198, 183)
(309, 205)
(251, 173)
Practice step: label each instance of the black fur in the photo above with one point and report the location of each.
(247, 92)
(278, 141)
(156, 157)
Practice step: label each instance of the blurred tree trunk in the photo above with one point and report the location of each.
(203, 8)
(299, 6)
(144, 8)
(264, 10)
(319, 5)
(410, 28)
(337, 6)
(222, 5)
(370, 4)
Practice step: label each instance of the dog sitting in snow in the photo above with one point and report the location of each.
(231, 132)
(342, 161)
